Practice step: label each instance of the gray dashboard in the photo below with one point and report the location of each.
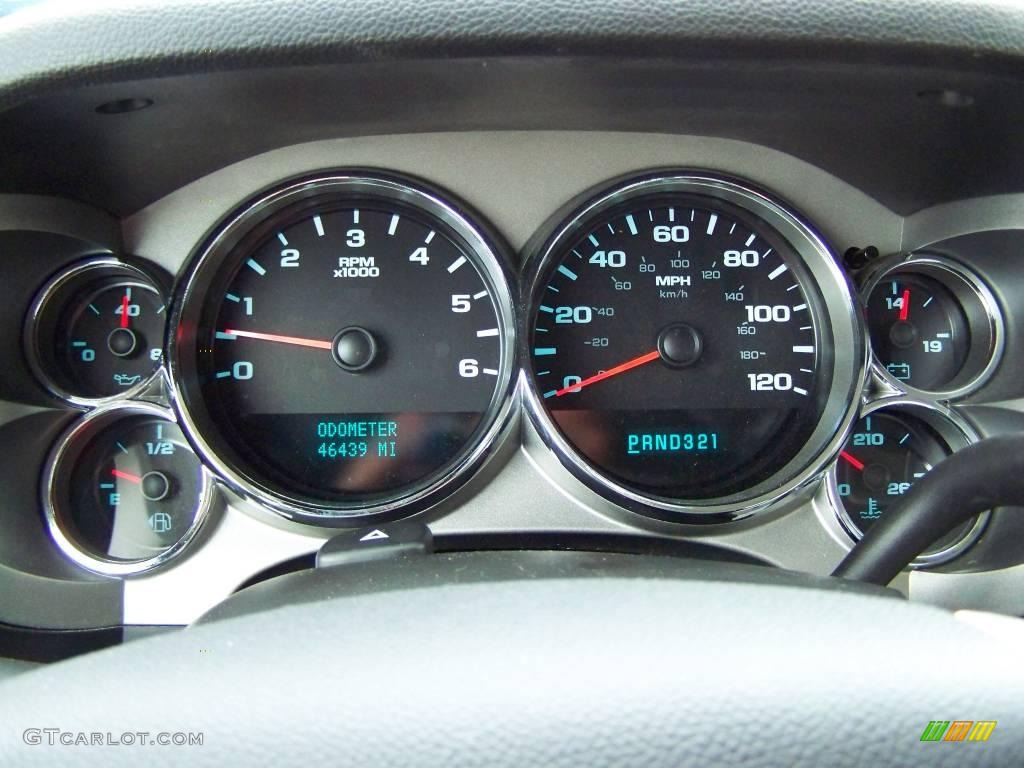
(523, 489)
(913, 150)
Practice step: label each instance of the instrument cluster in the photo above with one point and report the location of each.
(348, 348)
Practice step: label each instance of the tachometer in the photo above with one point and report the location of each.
(344, 348)
(692, 346)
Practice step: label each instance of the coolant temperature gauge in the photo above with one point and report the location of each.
(124, 492)
(888, 451)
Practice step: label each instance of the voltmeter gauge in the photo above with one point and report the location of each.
(889, 450)
(918, 330)
(123, 491)
(934, 327)
(96, 331)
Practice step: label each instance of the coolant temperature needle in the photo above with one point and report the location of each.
(629, 365)
(299, 342)
(905, 305)
(852, 461)
(126, 476)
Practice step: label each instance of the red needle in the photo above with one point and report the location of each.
(282, 339)
(126, 476)
(627, 366)
(905, 305)
(124, 310)
(853, 461)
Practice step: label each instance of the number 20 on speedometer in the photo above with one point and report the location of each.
(692, 346)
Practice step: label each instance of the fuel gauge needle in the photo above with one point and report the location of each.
(126, 476)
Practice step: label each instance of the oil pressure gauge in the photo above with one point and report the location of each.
(96, 331)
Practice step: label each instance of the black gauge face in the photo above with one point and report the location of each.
(675, 342)
(882, 459)
(350, 351)
(134, 490)
(918, 329)
(98, 331)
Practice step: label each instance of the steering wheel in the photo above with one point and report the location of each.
(536, 658)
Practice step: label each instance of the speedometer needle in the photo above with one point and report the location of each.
(629, 365)
(315, 343)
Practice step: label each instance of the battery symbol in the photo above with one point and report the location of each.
(899, 371)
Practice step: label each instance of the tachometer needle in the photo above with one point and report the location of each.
(626, 366)
(126, 476)
(905, 305)
(315, 343)
(852, 460)
(124, 310)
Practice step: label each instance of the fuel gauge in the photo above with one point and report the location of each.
(124, 492)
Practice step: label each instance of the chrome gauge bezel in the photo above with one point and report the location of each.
(957, 434)
(53, 485)
(835, 306)
(984, 317)
(83, 272)
(205, 265)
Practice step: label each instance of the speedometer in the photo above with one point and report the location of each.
(692, 347)
(344, 349)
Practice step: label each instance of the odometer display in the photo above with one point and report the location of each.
(351, 350)
(680, 344)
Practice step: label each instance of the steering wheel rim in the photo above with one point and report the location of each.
(604, 670)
